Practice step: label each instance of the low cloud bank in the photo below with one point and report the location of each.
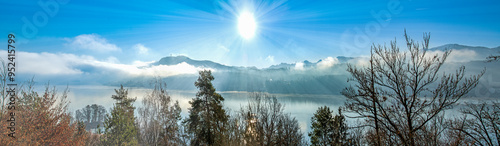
(70, 64)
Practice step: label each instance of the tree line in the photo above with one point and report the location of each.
(399, 98)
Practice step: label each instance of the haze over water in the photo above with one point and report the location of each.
(301, 107)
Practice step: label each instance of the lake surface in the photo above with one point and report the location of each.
(302, 107)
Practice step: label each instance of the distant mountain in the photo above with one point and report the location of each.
(481, 51)
(341, 59)
(292, 65)
(283, 78)
(459, 47)
(275, 79)
(174, 60)
(281, 66)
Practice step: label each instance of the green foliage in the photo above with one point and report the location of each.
(328, 129)
(207, 119)
(119, 126)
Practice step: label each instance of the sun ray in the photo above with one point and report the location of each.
(247, 25)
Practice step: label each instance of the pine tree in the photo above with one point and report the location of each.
(120, 127)
(328, 129)
(207, 119)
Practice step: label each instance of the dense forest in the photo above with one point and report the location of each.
(399, 98)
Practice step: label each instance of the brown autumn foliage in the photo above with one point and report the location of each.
(42, 119)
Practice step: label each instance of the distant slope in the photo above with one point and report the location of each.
(284, 78)
(341, 59)
(460, 47)
(173, 60)
(482, 52)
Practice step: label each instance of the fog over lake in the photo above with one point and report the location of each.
(301, 107)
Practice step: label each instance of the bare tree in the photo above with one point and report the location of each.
(401, 93)
(434, 132)
(3, 85)
(492, 58)
(236, 130)
(265, 123)
(480, 125)
(92, 115)
(93, 139)
(159, 117)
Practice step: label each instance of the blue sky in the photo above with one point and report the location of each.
(287, 31)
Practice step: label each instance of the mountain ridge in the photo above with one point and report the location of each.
(483, 52)
(284, 78)
(461, 47)
(173, 60)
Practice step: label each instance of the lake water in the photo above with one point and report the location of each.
(302, 107)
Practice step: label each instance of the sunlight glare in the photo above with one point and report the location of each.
(246, 25)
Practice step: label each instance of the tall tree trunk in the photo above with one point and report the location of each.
(374, 98)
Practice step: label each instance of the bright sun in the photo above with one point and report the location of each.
(246, 25)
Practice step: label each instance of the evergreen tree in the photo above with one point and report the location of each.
(119, 126)
(328, 129)
(207, 119)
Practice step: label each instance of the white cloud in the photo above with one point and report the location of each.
(112, 59)
(165, 70)
(141, 63)
(70, 64)
(360, 61)
(224, 48)
(327, 62)
(141, 49)
(92, 42)
(159, 70)
(457, 55)
(299, 66)
(270, 58)
(47, 63)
